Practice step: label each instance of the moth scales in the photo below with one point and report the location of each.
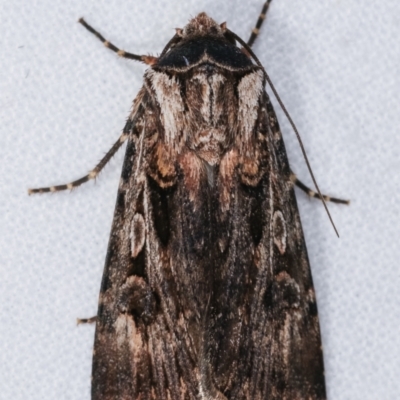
(207, 290)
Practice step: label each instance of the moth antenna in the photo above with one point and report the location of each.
(303, 150)
(261, 18)
(268, 79)
(149, 60)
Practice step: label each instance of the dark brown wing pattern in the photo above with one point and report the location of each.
(207, 291)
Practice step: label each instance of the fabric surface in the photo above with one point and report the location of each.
(63, 102)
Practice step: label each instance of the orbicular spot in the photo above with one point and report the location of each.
(279, 231)
(137, 235)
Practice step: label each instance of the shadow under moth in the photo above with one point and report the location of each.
(207, 291)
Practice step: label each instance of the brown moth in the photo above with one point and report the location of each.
(207, 291)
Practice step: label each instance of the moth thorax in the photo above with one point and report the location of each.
(207, 107)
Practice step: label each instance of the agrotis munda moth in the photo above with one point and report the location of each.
(206, 291)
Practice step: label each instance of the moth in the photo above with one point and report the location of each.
(207, 291)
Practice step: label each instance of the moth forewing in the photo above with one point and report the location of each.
(207, 291)
(210, 294)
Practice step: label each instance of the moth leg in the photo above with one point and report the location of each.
(91, 320)
(91, 175)
(149, 60)
(311, 193)
(261, 18)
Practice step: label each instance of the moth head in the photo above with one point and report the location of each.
(202, 25)
(201, 41)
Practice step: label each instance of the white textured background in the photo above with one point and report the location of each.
(63, 103)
